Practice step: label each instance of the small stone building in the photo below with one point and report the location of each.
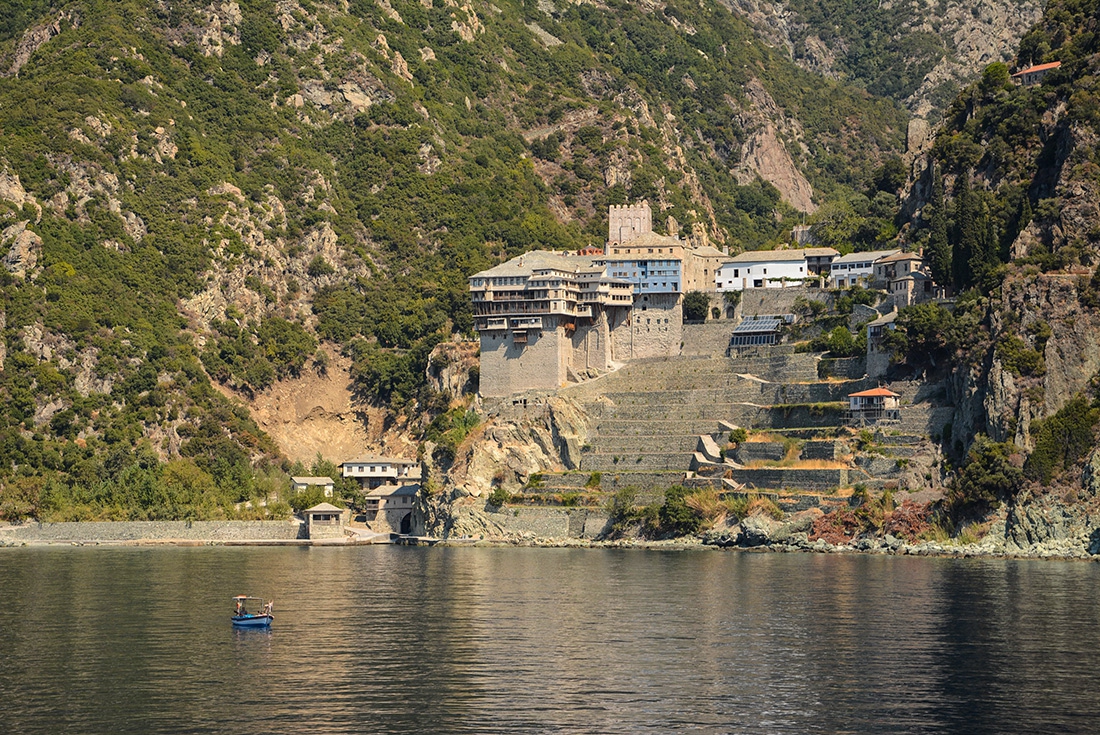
(323, 521)
(1034, 74)
(390, 509)
(878, 356)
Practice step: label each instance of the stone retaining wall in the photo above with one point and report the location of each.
(551, 522)
(793, 478)
(760, 452)
(824, 449)
(648, 461)
(651, 484)
(158, 531)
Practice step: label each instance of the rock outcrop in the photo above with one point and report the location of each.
(23, 249)
(514, 443)
(764, 154)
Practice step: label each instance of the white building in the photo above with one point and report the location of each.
(856, 269)
(763, 269)
(301, 484)
(373, 472)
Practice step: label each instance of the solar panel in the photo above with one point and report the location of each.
(769, 324)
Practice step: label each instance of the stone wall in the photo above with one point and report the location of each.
(653, 329)
(824, 449)
(508, 368)
(158, 531)
(759, 452)
(389, 520)
(779, 300)
(551, 522)
(793, 478)
(590, 351)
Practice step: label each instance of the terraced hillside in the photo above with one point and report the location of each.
(666, 421)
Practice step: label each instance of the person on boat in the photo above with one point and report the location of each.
(239, 608)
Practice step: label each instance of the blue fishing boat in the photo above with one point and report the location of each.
(251, 612)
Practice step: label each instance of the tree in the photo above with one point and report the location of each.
(924, 332)
(889, 177)
(994, 78)
(676, 517)
(966, 234)
(938, 254)
(696, 304)
(835, 225)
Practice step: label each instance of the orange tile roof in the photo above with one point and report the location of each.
(1040, 67)
(874, 392)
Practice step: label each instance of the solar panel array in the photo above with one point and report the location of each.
(767, 324)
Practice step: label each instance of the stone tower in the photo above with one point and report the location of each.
(628, 221)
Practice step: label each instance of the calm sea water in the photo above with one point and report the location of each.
(463, 640)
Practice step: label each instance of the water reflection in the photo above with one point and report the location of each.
(402, 640)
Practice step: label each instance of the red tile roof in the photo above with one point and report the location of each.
(1040, 67)
(873, 393)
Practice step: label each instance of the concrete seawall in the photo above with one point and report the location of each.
(157, 531)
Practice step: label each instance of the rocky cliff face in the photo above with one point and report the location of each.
(971, 35)
(514, 443)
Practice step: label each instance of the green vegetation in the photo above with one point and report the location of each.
(696, 304)
(988, 477)
(1062, 440)
(499, 497)
(884, 47)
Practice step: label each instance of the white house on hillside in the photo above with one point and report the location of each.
(372, 472)
(764, 269)
(856, 269)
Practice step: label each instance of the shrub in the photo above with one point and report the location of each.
(988, 477)
(594, 480)
(1018, 358)
(319, 267)
(676, 517)
(1062, 439)
(499, 497)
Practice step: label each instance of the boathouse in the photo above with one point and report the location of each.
(389, 509)
(324, 520)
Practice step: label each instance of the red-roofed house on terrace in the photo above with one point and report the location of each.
(870, 406)
(1034, 74)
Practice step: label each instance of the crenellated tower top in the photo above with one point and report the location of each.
(628, 221)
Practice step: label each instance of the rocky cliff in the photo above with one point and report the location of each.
(515, 443)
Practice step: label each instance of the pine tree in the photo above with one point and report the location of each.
(939, 249)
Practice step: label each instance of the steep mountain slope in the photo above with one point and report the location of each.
(192, 191)
(916, 52)
(1008, 209)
